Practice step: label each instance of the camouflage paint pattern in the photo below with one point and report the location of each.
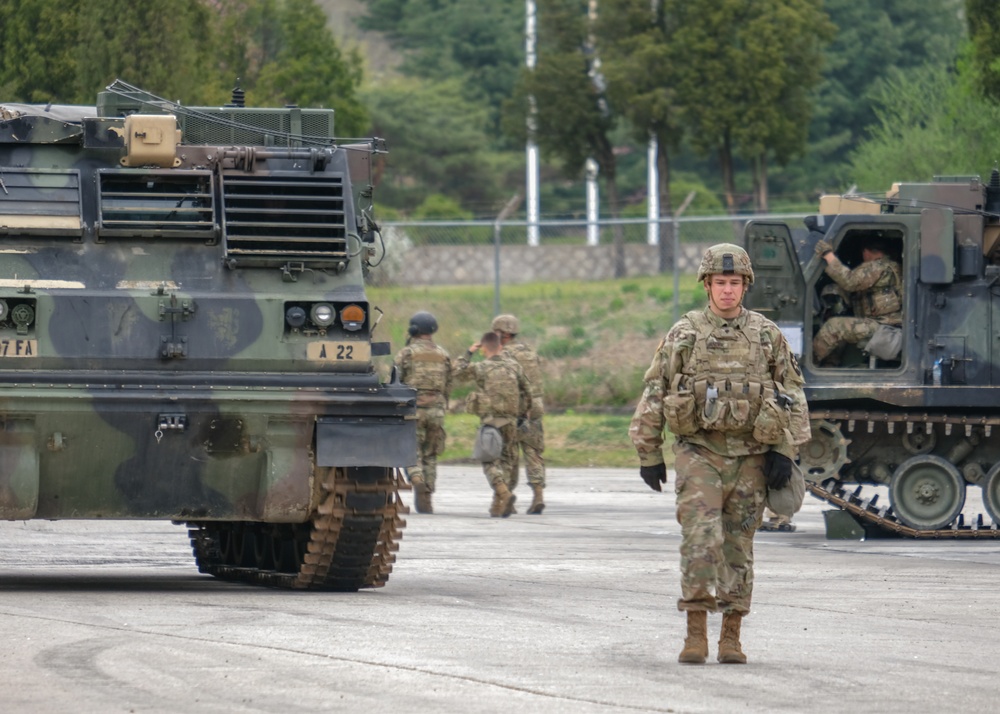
(148, 368)
(426, 367)
(720, 504)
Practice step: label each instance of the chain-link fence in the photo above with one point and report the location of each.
(593, 297)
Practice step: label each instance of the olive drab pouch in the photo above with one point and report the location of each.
(771, 423)
(473, 403)
(680, 410)
(788, 500)
(488, 444)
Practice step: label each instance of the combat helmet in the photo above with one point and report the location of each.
(725, 258)
(505, 323)
(422, 323)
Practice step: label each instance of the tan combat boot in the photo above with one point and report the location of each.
(696, 643)
(421, 496)
(504, 500)
(729, 642)
(537, 502)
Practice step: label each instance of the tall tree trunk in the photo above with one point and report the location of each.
(761, 178)
(666, 228)
(619, 232)
(728, 181)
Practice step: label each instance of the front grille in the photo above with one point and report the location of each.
(156, 204)
(280, 217)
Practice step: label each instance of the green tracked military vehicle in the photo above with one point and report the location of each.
(184, 335)
(924, 419)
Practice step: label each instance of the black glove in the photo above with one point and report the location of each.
(654, 475)
(777, 470)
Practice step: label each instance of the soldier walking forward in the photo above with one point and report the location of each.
(530, 434)
(426, 367)
(501, 397)
(726, 384)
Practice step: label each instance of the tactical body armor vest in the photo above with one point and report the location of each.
(883, 301)
(726, 385)
(427, 372)
(497, 394)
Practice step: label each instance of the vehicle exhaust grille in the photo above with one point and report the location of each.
(280, 217)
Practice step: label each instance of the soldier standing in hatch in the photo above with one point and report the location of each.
(876, 298)
(530, 434)
(726, 384)
(501, 397)
(426, 367)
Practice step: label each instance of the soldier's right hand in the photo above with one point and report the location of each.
(823, 247)
(654, 475)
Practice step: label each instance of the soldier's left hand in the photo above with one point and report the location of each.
(654, 475)
(777, 470)
(823, 247)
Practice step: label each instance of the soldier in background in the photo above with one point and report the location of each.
(876, 296)
(501, 397)
(726, 384)
(426, 367)
(531, 435)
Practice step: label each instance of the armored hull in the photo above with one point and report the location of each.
(185, 335)
(922, 419)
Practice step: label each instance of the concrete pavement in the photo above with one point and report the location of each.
(570, 611)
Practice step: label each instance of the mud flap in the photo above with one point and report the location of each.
(19, 470)
(841, 525)
(366, 441)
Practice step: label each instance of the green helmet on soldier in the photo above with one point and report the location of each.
(505, 323)
(422, 323)
(725, 258)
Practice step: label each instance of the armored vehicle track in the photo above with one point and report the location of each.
(925, 459)
(349, 544)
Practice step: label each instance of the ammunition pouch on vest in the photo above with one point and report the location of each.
(721, 398)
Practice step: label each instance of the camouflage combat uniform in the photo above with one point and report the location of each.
(876, 299)
(709, 380)
(501, 397)
(531, 435)
(426, 367)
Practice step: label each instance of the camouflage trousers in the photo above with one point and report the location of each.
(499, 470)
(430, 444)
(531, 440)
(720, 503)
(839, 331)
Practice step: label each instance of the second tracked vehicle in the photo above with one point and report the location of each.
(923, 418)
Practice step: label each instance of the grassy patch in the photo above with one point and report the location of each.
(596, 338)
(571, 439)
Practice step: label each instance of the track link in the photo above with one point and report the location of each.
(867, 511)
(350, 543)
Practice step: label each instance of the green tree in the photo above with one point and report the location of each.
(744, 85)
(564, 95)
(308, 68)
(39, 60)
(636, 43)
(482, 43)
(436, 140)
(930, 122)
(874, 39)
(163, 47)
(983, 17)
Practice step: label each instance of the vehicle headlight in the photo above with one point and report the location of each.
(322, 314)
(352, 317)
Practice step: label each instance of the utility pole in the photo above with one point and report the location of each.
(532, 147)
